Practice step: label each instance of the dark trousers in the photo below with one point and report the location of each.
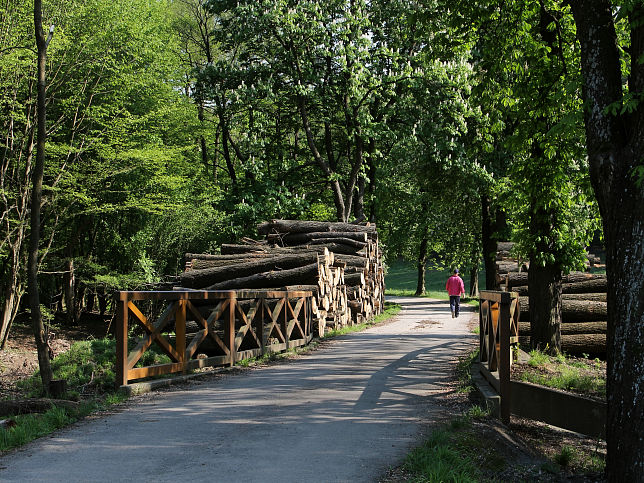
(455, 304)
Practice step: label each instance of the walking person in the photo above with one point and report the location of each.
(455, 288)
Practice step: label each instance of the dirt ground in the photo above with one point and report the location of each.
(19, 359)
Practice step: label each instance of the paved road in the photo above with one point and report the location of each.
(346, 412)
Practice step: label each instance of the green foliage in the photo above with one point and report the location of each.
(437, 461)
(32, 426)
(463, 371)
(88, 367)
(565, 456)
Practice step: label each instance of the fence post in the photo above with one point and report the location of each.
(180, 332)
(482, 350)
(122, 313)
(231, 327)
(286, 337)
(504, 355)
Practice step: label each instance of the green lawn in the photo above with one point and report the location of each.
(401, 279)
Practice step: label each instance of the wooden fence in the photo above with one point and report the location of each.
(499, 322)
(498, 330)
(198, 329)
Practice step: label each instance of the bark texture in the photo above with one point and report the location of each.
(36, 198)
(489, 245)
(615, 148)
(545, 308)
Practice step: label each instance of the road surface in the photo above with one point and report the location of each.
(346, 412)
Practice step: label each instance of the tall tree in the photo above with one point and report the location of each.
(614, 120)
(527, 81)
(42, 345)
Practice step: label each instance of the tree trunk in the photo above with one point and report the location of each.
(615, 150)
(474, 281)
(13, 290)
(358, 245)
(102, 300)
(299, 226)
(69, 289)
(572, 310)
(545, 308)
(422, 260)
(489, 245)
(521, 278)
(211, 276)
(594, 344)
(297, 238)
(296, 276)
(36, 197)
(595, 327)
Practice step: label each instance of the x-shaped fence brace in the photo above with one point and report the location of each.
(498, 330)
(271, 316)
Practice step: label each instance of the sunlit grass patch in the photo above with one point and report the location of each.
(561, 372)
(456, 452)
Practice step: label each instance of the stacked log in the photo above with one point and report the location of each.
(583, 325)
(357, 254)
(262, 266)
(507, 263)
(339, 262)
(583, 311)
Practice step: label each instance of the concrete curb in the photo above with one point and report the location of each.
(489, 395)
(149, 386)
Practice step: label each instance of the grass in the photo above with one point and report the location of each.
(463, 371)
(32, 426)
(402, 277)
(455, 452)
(562, 372)
(391, 309)
(88, 368)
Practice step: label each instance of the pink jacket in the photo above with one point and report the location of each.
(454, 285)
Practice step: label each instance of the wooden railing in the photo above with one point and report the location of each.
(499, 330)
(228, 326)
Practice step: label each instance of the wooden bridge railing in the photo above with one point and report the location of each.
(499, 329)
(233, 324)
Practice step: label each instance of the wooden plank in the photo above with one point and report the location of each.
(122, 315)
(215, 314)
(247, 354)
(200, 336)
(504, 360)
(574, 413)
(496, 296)
(231, 330)
(169, 368)
(273, 323)
(209, 294)
(180, 330)
(154, 335)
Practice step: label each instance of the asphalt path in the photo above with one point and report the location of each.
(345, 412)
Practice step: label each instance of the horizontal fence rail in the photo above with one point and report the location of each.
(498, 330)
(196, 329)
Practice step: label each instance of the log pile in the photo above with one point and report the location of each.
(357, 255)
(339, 262)
(507, 263)
(584, 315)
